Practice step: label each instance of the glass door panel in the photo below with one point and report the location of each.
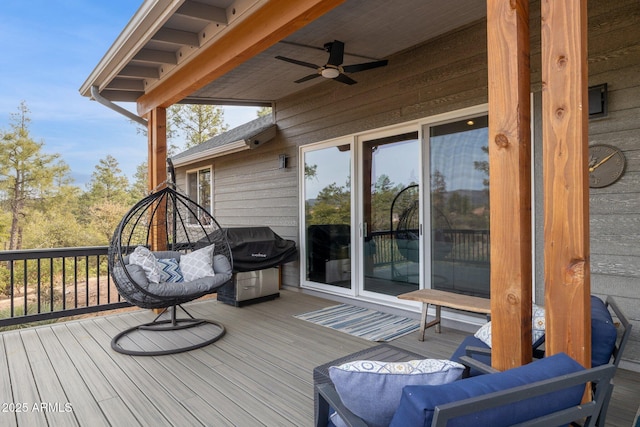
(391, 214)
(459, 204)
(327, 190)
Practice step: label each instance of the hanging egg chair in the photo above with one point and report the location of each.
(405, 208)
(166, 251)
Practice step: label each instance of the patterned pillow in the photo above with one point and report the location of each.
(537, 326)
(537, 322)
(170, 270)
(144, 258)
(372, 390)
(197, 264)
(484, 334)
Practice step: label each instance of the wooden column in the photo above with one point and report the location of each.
(157, 132)
(510, 180)
(566, 191)
(157, 167)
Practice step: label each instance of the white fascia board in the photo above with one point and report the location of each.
(211, 153)
(150, 17)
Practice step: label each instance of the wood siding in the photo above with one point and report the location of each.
(446, 74)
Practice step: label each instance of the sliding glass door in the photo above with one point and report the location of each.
(396, 210)
(327, 216)
(459, 206)
(390, 214)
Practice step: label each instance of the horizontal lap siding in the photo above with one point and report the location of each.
(438, 76)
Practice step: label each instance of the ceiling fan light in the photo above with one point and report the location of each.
(330, 73)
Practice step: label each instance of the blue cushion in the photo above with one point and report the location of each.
(372, 389)
(170, 270)
(472, 341)
(418, 402)
(603, 333)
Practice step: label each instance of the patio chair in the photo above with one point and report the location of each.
(545, 392)
(607, 343)
(195, 260)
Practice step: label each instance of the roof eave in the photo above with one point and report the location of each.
(248, 143)
(151, 15)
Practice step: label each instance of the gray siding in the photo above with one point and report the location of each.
(442, 75)
(614, 58)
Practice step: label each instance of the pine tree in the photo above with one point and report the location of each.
(26, 173)
(197, 123)
(108, 183)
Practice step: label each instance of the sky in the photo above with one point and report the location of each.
(49, 49)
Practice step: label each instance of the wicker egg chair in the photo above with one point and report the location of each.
(178, 233)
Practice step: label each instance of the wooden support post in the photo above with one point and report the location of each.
(157, 166)
(157, 133)
(566, 191)
(510, 180)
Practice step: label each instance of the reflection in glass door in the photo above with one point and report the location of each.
(459, 204)
(391, 214)
(327, 190)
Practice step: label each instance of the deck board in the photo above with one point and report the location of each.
(25, 390)
(259, 373)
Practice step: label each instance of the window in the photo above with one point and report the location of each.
(327, 215)
(459, 206)
(199, 189)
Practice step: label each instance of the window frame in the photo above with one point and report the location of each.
(198, 171)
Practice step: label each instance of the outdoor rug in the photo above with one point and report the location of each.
(362, 322)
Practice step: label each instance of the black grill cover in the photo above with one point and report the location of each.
(256, 248)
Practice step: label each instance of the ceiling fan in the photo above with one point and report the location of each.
(334, 69)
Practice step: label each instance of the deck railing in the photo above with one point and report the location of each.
(45, 284)
(468, 246)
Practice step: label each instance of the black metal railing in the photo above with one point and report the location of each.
(46, 284)
(469, 246)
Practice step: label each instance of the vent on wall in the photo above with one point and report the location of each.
(598, 101)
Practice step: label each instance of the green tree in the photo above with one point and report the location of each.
(27, 174)
(198, 123)
(108, 183)
(105, 216)
(140, 185)
(264, 111)
(108, 198)
(332, 206)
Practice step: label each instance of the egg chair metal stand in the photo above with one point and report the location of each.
(172, 226)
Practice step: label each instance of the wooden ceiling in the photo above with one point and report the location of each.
(166, 35)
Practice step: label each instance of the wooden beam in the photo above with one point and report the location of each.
(157, 167)
(271, 23)
(510, 180)
(566, 191)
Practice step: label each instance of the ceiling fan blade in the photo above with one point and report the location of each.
(365, 66)
(295, 61)
(309, 77)
(345, 79)
(336, 52)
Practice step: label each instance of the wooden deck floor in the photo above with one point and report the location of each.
(259, 373)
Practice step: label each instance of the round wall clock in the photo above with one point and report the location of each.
(606, 165)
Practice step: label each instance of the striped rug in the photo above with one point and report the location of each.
(362, 322)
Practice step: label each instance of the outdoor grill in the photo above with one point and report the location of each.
(257, 254)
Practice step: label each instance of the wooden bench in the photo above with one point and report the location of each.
(441, 299)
